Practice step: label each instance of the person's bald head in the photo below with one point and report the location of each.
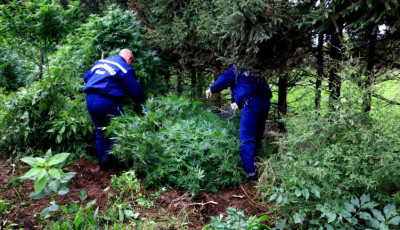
(127, 55)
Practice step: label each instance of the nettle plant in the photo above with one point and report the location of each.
(180, 143)
(49, 179)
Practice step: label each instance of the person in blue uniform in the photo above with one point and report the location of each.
(252, 95)
(106, 83)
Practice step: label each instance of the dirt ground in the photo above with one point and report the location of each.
(23, 212)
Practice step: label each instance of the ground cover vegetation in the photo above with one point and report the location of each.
(330, 159)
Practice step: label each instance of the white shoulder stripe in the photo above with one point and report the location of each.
(115, 63)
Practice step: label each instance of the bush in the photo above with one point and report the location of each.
(328, 159)
(45, 115)
(180, 143)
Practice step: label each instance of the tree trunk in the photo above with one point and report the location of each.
(179, 79)
(41, 58)
(320, 71)
(193, 76)
(369, 71)
(282, 99)
(335, 55)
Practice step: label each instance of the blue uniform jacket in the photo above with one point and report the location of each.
(113, 77)
(244, 85)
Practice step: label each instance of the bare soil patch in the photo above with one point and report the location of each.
(23, 212)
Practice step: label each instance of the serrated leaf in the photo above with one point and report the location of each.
(350, 207)
(374, 223)
(364, 199)
(365, 215)
(369, 205)
(54, 185)
(31, 174)
(55, 173)
(388, 210)
(40, 184)
(306, 193)
(394, 220)
(30, 161)
(355, 201)
(378, 215)
(58, 158)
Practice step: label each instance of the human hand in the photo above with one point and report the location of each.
(234, 106)
(208, 93)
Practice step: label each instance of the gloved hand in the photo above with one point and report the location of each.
(146, 110)
(234, 106)
(208, 93)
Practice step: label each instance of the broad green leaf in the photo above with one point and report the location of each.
(91, 203)
(78, 220)
(73, 127)
(395, 220)
(378, 215)
(306, 193)
(297, 218)
(364, 199)
(374, 223)
(55, 173)
(54, 185)
(67, 177)
(59, 138)
(355, 201)
(349, 207)
(41, 161)
(316, 191)
(263, 218)
(82, 195)
(62, 130)
(365, 215)
(58, 158)
(53, 207)
(31, 174)
(64, 209)
(40, 184)
(383, 226)
(41, 173)
(388, 210)
(271, 198)
(329, 227)
(64, 190)
(45, 213)
(30, 161)
(331, 216)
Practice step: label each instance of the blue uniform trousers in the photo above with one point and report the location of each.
(252, 124)
(101, 108)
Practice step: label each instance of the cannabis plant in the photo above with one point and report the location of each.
(180, 143)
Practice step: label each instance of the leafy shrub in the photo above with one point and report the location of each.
(45, 115)
(180, 143)
(235, 220)
(327, 159)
